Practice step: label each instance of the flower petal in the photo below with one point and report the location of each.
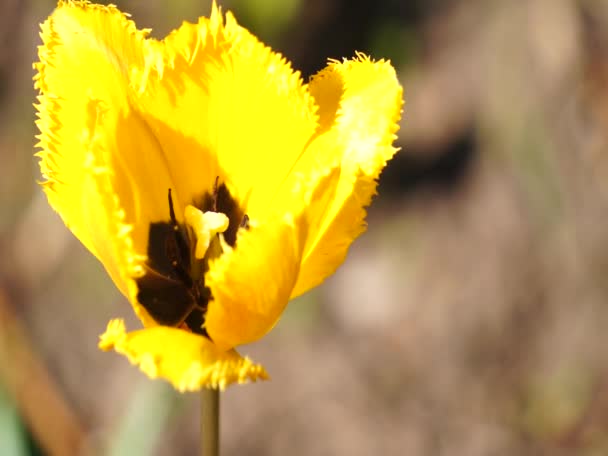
(251, 284)
(105, 173)
(187, 360)
(359, 109)
(68, 114)
(233, 109)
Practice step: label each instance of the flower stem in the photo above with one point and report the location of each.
(210, 422)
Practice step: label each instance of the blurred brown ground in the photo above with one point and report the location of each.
(469, 320)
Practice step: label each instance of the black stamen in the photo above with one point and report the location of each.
(177, 249)
(172, 211)
(215, 193)
(244, 222)
(179, 268)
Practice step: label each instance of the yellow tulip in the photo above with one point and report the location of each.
(212, 183)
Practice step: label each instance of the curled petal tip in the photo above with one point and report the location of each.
(188, 361)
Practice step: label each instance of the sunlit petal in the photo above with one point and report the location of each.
(360, 105)
(188, 361)
(83, 126)
(226, 105)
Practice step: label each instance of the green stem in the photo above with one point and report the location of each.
(210, 422)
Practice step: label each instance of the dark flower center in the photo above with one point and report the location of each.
(173, 288)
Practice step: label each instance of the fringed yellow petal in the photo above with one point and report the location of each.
(189, 361)
(360, 106)
(251, 284)
(225, 105)
(75, 118)
(105, 173)
(367, 118)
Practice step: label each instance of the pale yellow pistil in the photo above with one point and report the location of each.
(205, 226)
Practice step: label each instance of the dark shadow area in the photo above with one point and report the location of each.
(413, 171)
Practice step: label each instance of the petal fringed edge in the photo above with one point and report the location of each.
(96, 150)
(216, 86)
(188, 361)
(360, 103)
(74, 117)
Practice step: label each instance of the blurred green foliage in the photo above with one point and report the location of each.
(13, 440)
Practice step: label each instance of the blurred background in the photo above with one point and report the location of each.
(470, 320)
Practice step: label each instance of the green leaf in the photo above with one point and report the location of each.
(12, 433)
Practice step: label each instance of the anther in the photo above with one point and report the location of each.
(215, 192)
(176, 248)
(172, 212)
